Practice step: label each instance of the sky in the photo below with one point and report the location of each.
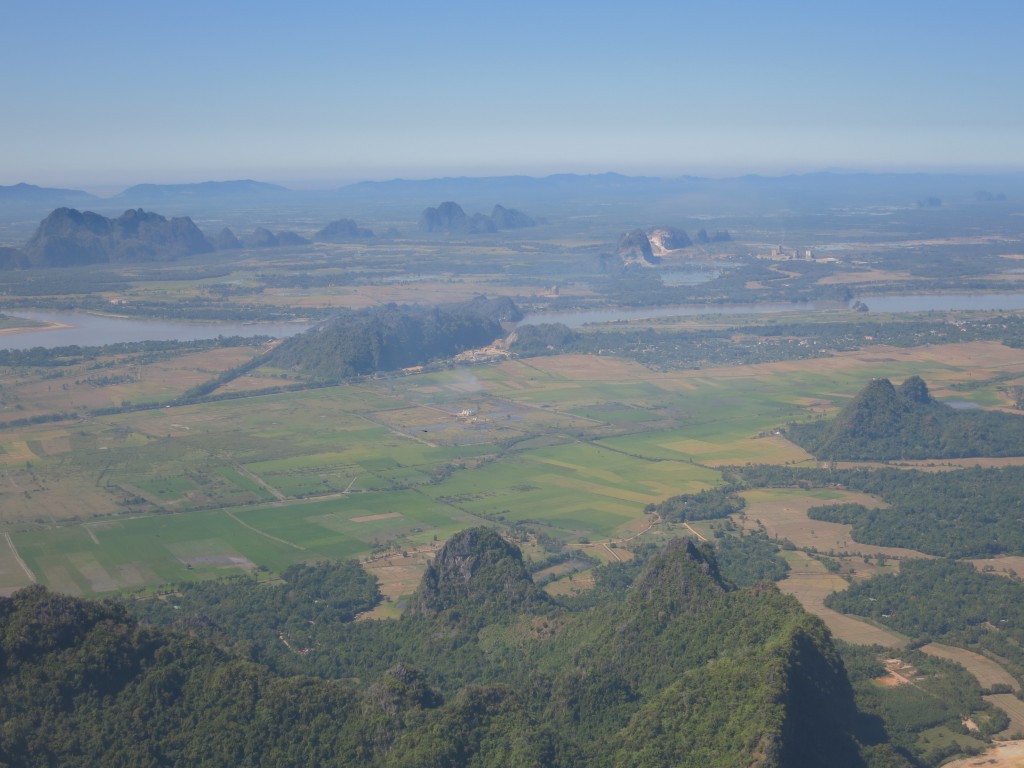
(308, 94)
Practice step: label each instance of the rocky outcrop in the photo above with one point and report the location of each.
(264, 238)
(68, 237)
(288, 237)
(476, 569)
(342, 231)
(665, 239)
(634, 247)
(449, 217)
(510, 218)
(226, 240)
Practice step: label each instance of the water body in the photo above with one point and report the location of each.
(895, 303)
(87, 330)
(93, 330)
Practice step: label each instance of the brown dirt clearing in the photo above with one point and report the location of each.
(987, 672)
(810, 583)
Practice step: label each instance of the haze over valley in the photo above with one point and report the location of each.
(565, 386)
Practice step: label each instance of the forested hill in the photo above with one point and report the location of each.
(68, 237)
(678, 670)
(885, 422)
(392, 337)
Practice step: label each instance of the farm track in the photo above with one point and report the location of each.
(232, 515)
(263, 483)
(24, 566)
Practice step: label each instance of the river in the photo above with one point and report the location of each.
(87, 330)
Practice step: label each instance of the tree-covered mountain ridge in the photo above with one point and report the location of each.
(69, 237)
(388, 338)
(884, 422)
(679, 670)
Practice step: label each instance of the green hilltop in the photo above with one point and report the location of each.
(885, 422)
(678, 669)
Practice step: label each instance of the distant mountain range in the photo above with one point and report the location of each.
(30, 193)
(908, 187)
(151, 193)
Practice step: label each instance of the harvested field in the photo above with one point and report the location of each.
(783, 512)
(1009, 754)
(573, 584)
(398, 576)
(987, 672)
(1013, 707)
(810, 583)
(1009, 565)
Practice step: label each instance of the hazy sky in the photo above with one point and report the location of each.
(317, 93)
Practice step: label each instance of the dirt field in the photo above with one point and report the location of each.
(1013, 707)
(1009, 754)
(1005, 566)
(985, 670)
(784, 514)
(399, 577)
(810, 583)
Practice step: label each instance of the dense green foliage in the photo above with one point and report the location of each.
(947, 600)
(973, 512)
(885, 422)
(747, 560)
(679, 670)
(943, 693)
(745, 344)
(269, 621)
(391, 337)
(711, 504)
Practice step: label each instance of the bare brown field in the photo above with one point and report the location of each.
(121, 380)
(1008, 754)
(763, 450)
(1009, 565)
(573, 584)
(783, 512)
(810, 583)
(987, 672)
(60, 499)
(399, 575)
(1013, 707)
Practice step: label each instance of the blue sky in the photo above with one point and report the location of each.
(312, 94)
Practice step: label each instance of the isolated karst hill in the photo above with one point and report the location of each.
(68, 237)
(884, 422)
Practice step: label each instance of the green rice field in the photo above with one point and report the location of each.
(575, 448)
